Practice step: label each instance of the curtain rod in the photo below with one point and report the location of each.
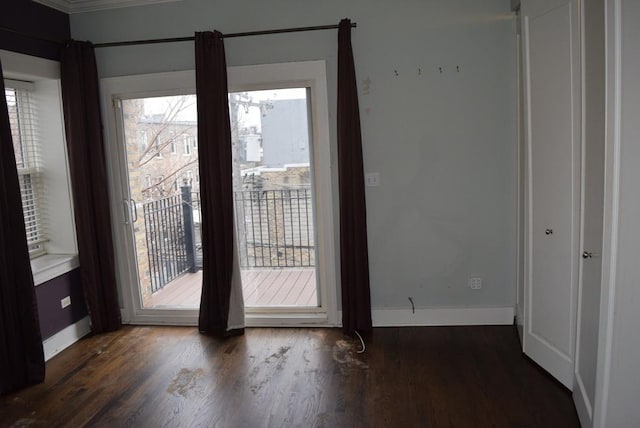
(31, 36)
(225, 36)
(179, 39)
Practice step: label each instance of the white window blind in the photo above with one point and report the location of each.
(22, 119)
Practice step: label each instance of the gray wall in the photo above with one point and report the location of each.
(623, 409)
(443, 142)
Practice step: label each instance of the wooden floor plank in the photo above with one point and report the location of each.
(279, 291)
(261, 287)
(266, 290)
(258, 287)
(408, 377)
(293, 287)
(249, 283)
(308, 296)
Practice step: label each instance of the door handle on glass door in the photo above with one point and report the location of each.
(135, 211)
(127, 212)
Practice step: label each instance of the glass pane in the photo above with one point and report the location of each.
(14, 122)
(159, 136)
(273, 196)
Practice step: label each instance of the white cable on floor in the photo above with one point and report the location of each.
(361, 341)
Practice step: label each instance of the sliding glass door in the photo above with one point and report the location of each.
(274, 197)
(279, 173)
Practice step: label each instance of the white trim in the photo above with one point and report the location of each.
(65, 338)
(20, 66)
(423, 317)
(527, 188)
(442, 317)
(581, 401)
(50, 266)
(521, 193)
(613, 45)
(80, 6)
(584, 406)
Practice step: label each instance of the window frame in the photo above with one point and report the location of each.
(186, 144)
(60, 253)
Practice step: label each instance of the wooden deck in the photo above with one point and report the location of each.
(261, 288)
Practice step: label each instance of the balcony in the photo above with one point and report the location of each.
(260, 288)
(275, 240)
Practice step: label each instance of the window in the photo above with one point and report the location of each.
(143, 141)
(25, 145)
(158, 149)
(172, 146)
(35, 101)
(187, 145)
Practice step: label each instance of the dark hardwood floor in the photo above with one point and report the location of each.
(408, 377)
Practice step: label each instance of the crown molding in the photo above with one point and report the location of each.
(80, 6)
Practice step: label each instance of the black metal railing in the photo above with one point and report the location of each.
(168, 247)
(274, 229)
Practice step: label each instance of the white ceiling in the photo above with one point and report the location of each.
(78, 6)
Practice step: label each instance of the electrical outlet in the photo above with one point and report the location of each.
(372, 179)
(65, 302)
(475, 283)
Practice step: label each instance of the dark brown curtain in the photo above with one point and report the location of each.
(85, 145)
(21, 354)
(354, 259)
(216, 187)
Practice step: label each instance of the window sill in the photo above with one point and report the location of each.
(50, 266)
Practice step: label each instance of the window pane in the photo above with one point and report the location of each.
(14, 122)
(23, 133)
(273, 196)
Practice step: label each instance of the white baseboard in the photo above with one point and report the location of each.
(581, 401)
(65, 338)
(442, 317)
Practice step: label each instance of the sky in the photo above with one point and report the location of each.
(250, 116)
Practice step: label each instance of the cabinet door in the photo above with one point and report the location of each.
(553, 140)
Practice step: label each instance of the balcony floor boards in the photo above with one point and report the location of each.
(261, 287)
(408, 377)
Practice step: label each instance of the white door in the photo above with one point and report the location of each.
(592, 208)
(552, 107)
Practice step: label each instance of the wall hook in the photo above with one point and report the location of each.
(396, 71)
(419, 71)
(458, 68)
(440, 70)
